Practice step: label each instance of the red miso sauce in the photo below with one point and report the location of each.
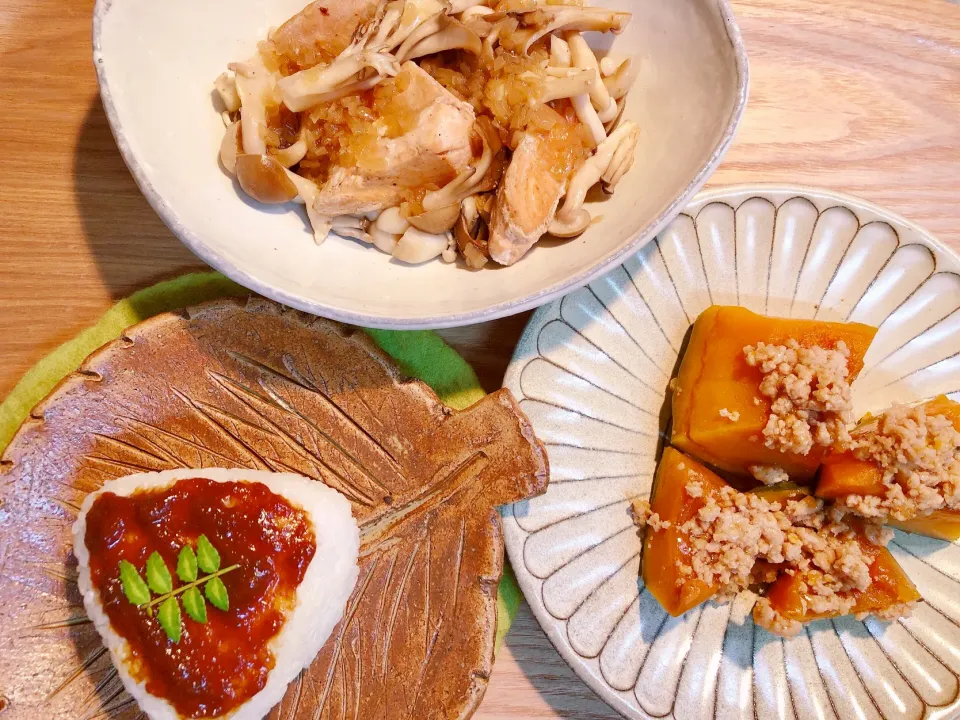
(219, 665)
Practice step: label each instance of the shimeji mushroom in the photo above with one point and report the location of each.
(387, 229)
(442, 207)
(611, 160)
(416, 246)
(231, 147)
(452, 35)
(415, 13)
(576, 85)
(254, 84)
(583, 58)
(309, 87)
(263, 178)
(353, 227)
(619, 84)
(291, 155)
(471, 234)
(548, 18)
(227, 90)
(559, 52)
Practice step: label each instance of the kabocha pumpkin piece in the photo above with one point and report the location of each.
(252, 385)
(667, 550)
(792, 600)
(720, 413)
(872, 484)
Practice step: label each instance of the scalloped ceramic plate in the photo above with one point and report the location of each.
(591, 372)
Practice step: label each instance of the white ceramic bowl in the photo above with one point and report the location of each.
(156, 62)
(591, 372)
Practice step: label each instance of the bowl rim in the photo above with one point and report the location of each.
(600, 266)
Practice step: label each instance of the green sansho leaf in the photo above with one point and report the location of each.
(158, 577)
(169, 617)
(195, 605)
(216, 593)
(187, 565)
(134, 587)
(207, 556)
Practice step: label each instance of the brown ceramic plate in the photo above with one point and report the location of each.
(249, 384)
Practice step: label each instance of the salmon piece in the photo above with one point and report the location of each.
(431, 154)
(321, 31)
(526, 201)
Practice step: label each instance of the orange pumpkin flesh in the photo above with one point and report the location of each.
(843, 474)
(890, 586)
(666, 550)
(714, 375)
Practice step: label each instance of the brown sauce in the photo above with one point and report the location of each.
(219, 665)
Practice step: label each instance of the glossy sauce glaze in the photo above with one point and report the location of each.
(217, 666)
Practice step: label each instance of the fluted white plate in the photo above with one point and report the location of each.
(591, 372)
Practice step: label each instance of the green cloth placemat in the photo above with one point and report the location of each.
(420, 353)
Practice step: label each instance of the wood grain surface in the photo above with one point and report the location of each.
(861, 96)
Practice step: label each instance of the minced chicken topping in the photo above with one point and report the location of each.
(769, 474)
(809, 394)
(919, 455)
(735, 530)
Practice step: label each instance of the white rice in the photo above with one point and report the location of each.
(321, 596)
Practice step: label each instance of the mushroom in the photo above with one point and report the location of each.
(290, 156)
(612, 125)
(608, 66)
(227, 89)
(453, 35)
(312, 86)
(388, 23)
(263, 178)
(571, 226)
(436, 221)
(387, 229)
(471, 234)
(307, 194)
(583, 57)
(615, 154)
(431, 26)
(474, 12)
(622, 80)
(254, 84)
(352, 227)
(415, 13)
(577, 86)
(231, 147)
(471, 179)
(559, 52)
(461, 6)
(416, 246)
(549, 18)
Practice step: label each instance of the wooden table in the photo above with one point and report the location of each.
(855, 95)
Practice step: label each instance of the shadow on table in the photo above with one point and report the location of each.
(566, 694)
(132, 246)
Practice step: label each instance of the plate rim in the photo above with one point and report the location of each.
(514, 535)
(444, 320)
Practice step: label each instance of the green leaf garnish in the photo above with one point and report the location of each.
(158, 577)
(207, 556)
(216, 593)
(160, 582)
(134, 587)
(194, 604)
(187, 564)
(169, 617)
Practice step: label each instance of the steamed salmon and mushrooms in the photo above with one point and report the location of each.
(433, 128)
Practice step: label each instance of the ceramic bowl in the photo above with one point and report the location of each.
(591, 372)
(156, 62)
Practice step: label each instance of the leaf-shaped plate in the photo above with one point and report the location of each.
(250, 384)
(592, 370)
